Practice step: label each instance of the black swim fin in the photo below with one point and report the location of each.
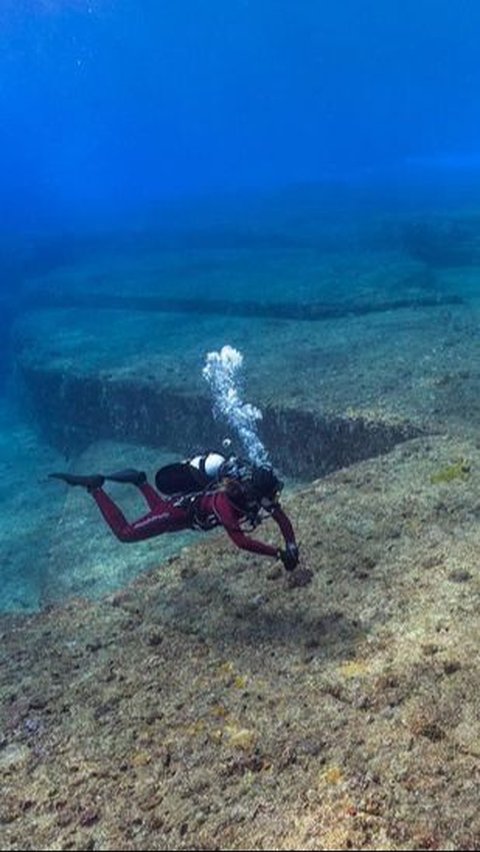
(129, 475)
(91, 482)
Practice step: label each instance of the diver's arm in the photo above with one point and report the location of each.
(284, 523)
(289, 556)
(228, 517)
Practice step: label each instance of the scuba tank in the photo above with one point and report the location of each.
(191, 475)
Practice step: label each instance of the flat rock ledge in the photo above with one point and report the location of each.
(75, 410)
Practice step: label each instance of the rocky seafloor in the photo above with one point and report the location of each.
(218, 703)
(332, 391)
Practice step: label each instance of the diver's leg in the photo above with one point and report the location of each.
(154, 501)
(138, 478)
(129, 475)
(165, 518)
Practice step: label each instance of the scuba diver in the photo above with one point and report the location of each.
(201, 493)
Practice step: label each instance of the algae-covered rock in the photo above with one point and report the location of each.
(459, 469)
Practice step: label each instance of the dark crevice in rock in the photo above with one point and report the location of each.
(313, 312)
(74, 410)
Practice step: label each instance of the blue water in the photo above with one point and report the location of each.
(108, 107)
(242, 141)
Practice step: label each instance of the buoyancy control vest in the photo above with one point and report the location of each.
(189, 479)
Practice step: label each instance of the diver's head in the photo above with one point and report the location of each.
(251, 485)
(265, 485)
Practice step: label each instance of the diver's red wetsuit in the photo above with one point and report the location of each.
(171, 515)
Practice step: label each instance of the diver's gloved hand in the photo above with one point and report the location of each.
(289, 556)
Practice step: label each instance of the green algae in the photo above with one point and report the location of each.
(458, 470)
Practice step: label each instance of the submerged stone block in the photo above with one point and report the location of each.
(331, 393)
(74, 411)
